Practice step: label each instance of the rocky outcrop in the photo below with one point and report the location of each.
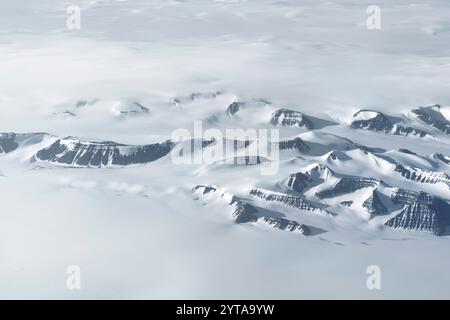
(377, 121)
(309, 177)
(236, 106)
(294, 144)
(130, 108)
(288, 225)
(299, 182)
(348, 185)
(290, 118)
(441, 157)
(8, 142)
(423, 176)
(72, 109)
(12, 141)
(292, 201)
(243, 212)
(421, 212)
(347, 203)
(432, 116)
(74, 152)
(402, 196)
(195, 96)
(204, 189)
(374, 206)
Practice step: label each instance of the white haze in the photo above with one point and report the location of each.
(135, 232)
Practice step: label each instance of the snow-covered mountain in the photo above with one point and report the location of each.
(323, 181)
(74, 152)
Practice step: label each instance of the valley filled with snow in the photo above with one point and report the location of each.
(121, 152)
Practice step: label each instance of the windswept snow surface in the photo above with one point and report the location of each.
(86, 178)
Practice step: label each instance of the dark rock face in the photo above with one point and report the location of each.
(288, 225)
(299, 182)
(421, 212)
(73, 108)
(294, 144)
(441, 157)
(423, 176)
(400, 130)
(207, 95)
(243, 212)
(8, 142)
(333, 156)
(208, 142)
(100, 154)
(288, 200)
(81, 103)
(290, 118)
(133, 108)
(235, 107)
(246, 213)
(376, 121)
(407, 151)
(194, 97)
(348, 185)
(69, 113)
(205, 189)
(433, 117)
(11, 141)
(127, 108)
(374, 206)
(403, 197)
